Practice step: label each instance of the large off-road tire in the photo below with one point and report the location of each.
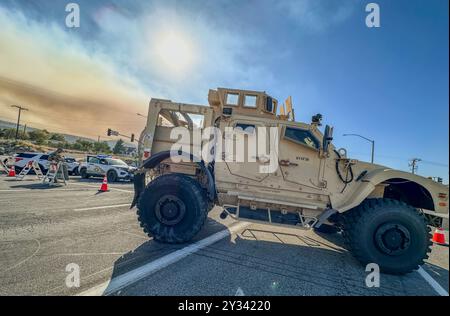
(172, 209)
(389, 233)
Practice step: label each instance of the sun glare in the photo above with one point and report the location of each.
(175, 51)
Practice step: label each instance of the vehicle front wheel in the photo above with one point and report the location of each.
(83, 173)
(172, 209)
(389, 233)
(111, 176)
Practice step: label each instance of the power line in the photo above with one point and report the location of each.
(429, 162)
(435, 163)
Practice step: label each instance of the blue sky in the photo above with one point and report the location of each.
(388, 83)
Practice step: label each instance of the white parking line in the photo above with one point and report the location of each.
(432, 282)
(135, 275)
(92, 186)
(100, 207)
(40, 191)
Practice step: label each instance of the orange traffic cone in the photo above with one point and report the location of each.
(438, 236)
(104, 186)
(12, 172)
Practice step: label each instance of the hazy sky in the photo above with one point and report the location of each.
(388, 83)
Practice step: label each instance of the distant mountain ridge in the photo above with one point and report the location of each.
(69, 138)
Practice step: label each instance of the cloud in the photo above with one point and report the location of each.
(84, 84)
(217, 53)
(65, 85)
(317, 16)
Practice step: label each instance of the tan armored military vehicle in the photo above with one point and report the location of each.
(306, 183)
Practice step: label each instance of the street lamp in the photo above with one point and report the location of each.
(139, 114)
(368, 139)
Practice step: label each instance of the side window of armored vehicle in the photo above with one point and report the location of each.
(232, 99)
(44, 157)
(301, 136)
(103, 162)
(250, 101)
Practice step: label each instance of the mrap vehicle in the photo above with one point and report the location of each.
(101, 165)
(384, 214)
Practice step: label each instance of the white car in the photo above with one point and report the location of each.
(101, 165)
(72, 166)
(22, 159)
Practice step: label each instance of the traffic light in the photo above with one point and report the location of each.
(132, 137)
(109, 132)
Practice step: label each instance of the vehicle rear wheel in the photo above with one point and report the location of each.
(83, 173)
(172, 209)
(389, 233)
(111, 175)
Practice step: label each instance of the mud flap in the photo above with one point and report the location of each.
(139, 185)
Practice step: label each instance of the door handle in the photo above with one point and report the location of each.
(287, 163)
(262, 158)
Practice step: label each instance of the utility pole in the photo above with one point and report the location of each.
(24, 130)
(413, 164)
(18, 117)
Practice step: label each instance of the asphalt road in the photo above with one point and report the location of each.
(44, 229)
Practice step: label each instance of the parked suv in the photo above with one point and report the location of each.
(101, 165)
(72, 166)
(21, 160)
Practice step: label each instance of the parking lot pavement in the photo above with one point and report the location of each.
(44, 229)
(263, 260)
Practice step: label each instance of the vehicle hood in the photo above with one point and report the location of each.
(127, 168)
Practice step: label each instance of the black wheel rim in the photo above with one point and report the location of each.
(392, 239)
(170, 210)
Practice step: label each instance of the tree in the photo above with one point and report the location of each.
(102, 147)
(119, 147)
(7, 133)
(57, 137)
(83, 145)
(40, 137)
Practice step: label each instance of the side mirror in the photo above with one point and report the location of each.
(327, 138)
